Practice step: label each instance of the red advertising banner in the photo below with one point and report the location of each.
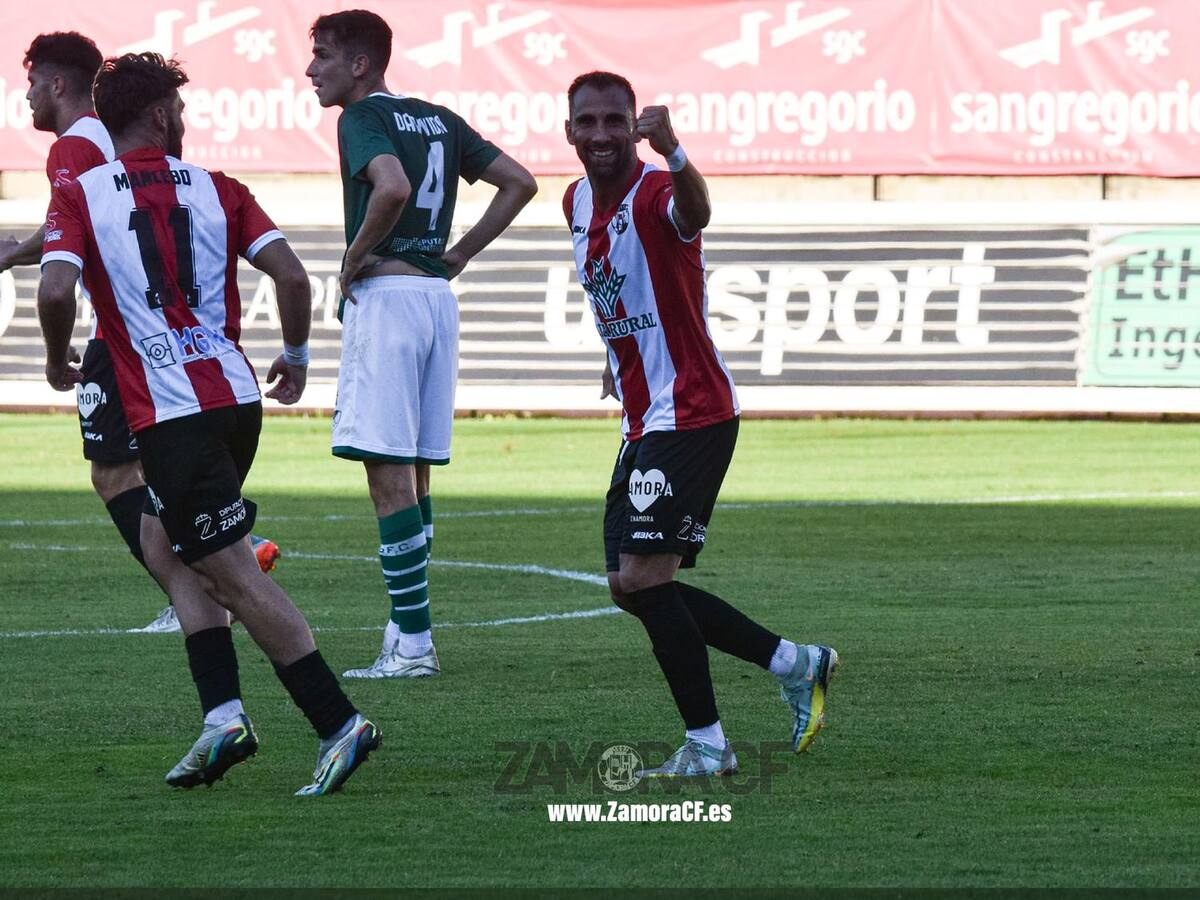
(807, 86)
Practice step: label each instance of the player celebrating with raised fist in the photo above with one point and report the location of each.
(636, 233)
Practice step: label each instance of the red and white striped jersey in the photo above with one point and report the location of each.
(647, 290)
(157, 240)
(83, 146)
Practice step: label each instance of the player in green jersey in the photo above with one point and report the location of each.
(401, 159)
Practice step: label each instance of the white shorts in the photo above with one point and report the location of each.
(395, 397)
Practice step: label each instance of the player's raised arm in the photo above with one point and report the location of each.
(56, 312)
(390, 190)
(515, 187)
(692, 207)
(294, 297)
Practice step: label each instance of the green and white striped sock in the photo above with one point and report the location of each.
(426, 505)
(404, 557)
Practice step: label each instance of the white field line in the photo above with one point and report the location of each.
(786, 504)
(527, 569)
(490, 623)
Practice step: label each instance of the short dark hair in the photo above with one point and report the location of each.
(74, 55)
(128, 85)
(358, 31)
(600, 81)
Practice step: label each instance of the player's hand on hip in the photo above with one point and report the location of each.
(454, 263)
(654, 125)
(352, 267)
(61, 375)
(292, 380)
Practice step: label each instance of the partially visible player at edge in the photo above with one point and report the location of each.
(401, 159)
(636, 235)
(157, 241)
(61, 67)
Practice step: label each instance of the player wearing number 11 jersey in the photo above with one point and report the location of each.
(157, 241)
(401, 159)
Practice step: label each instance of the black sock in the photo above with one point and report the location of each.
(316, 691)
(680, 651)
(214, 666)
(728, 629)
(125, 510)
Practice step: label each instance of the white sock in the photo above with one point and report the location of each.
(709, 734)
(784, 658)
(411, 645)
(219, 715)
(391, 634)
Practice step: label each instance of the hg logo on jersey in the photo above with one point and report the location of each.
(193, 343)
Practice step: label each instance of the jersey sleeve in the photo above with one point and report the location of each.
(66, 228)
(70, 157)
(569, 203)
(477, 153)
(362, 136)
(661, 204)
(250, 226)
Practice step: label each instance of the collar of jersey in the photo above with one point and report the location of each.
(144, 153)
(386, 94)
(633, 179)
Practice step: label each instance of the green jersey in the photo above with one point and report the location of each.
(435, 146)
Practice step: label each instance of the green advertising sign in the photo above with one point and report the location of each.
(1144, 327)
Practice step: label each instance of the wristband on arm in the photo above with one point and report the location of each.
(295, 356)
(677, 160)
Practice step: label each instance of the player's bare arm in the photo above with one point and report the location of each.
(692, 207)
(294, 297)
(390, 190)
(515, 187)
(56, 312)
(22, 253)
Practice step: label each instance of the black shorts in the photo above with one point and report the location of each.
(663, 490)
(195, 466)
(106, 434)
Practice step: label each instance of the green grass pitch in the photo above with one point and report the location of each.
(1015, 605)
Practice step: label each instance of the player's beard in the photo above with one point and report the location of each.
(43, 119)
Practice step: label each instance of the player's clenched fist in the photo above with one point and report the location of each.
(654, 124)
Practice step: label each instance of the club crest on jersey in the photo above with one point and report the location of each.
(604, 288)
(620, 222)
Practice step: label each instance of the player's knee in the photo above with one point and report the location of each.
(619, 598)
(109, 479)
(630, 581)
